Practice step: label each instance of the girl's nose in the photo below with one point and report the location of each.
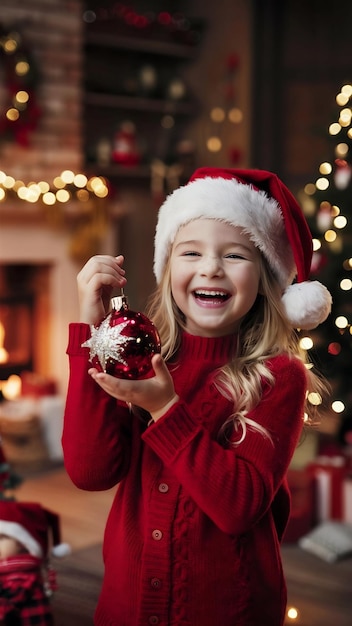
(211, 266)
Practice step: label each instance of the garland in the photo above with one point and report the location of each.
(19, 111)
(122, 18)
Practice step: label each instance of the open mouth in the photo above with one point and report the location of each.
(210, 295)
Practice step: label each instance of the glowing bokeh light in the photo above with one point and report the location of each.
(341, 322)
(325, 168)
(340, 221)
(314, 398)
(330, 236)
(338, 406)
(214, 144)
(346, 284)
(322, 184)
(306, 343)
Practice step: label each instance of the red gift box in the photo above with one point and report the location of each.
(329, 474)
(36, 386)
(347, 500)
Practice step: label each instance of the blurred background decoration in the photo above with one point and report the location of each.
(20, 110)
(327, 202)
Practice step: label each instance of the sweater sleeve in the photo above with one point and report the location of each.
(97, 429)
(235, 486)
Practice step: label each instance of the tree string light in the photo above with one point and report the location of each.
(328, 208)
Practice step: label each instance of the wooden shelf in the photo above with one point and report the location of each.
(113, 170)
(133, 103)
(113, 92)
(134, 44)
(141, 172)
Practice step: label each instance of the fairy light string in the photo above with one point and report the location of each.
(65, 187)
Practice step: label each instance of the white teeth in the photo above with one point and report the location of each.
(213, 294)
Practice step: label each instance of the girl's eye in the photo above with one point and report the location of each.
(190, 253)
(234, 255)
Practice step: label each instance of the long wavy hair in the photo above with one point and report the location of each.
(264, 332)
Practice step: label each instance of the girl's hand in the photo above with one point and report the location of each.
(96, 281)
(155, 395)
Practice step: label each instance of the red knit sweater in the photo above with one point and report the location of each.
(193, 534)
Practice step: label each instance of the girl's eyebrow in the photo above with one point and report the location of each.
(190, 242)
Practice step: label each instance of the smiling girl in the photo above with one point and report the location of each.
(193, 535)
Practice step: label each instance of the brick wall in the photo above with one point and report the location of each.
(52, 30)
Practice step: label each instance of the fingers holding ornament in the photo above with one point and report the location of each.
(154, 395)
(102, 269)
(96, 282)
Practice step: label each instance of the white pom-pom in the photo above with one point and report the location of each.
(307, 304)
(61, 550)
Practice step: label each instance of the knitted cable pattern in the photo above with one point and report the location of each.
(181, 562)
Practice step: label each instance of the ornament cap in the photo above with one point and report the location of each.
(119, 303)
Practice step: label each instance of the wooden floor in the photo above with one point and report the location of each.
(321, 593)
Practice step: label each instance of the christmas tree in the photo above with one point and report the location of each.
(328, 207)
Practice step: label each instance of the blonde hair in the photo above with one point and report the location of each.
(264, 333)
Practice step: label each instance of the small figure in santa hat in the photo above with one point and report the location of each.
(125, 149)
(26, 578)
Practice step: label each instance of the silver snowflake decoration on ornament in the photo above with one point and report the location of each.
(106, 343)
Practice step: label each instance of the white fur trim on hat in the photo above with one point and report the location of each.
(61, 550)
(18, 532)
(307, 304)
(236, 203)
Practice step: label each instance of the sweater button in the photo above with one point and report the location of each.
(157, 534)
(153, 619)
(155, 583)
(163, 488)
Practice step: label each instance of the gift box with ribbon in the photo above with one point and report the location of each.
(330, 473)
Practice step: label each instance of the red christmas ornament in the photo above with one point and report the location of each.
(124, 343)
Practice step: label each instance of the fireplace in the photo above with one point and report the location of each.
(34, 261)
(24, 318)
(16, 346)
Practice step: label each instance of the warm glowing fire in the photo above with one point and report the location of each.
(10, 388)
(4, 355)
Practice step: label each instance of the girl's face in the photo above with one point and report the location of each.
(9, 547)
(215, 274)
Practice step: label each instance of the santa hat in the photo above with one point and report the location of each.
(31, 524)
(259, 203)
